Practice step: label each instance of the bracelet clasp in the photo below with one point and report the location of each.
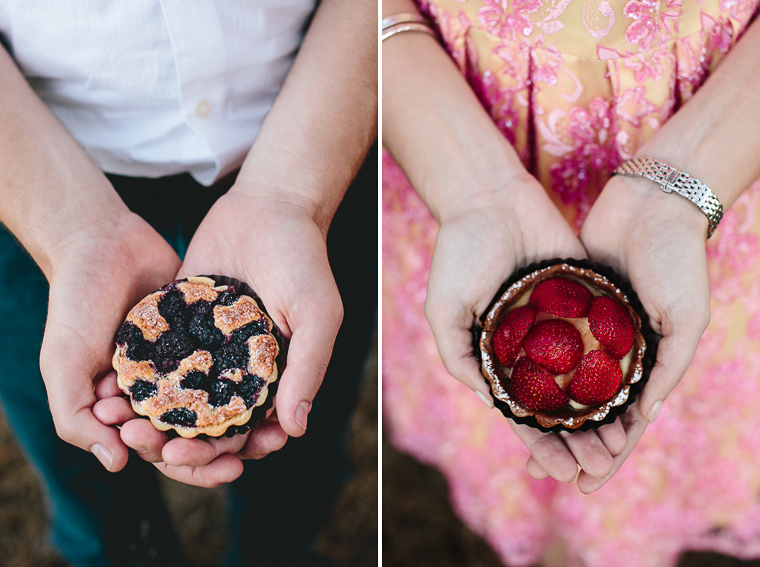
(669, 181)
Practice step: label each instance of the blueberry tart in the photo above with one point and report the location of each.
(566, 345)
(199, 358)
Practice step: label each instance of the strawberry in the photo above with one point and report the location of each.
(509, 335)
(555, 344)
(535, 388)
(596, 380)
(561, 297)
(611, 325)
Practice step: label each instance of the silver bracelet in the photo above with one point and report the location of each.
(404, 18)
(407, 21)
(671, 180)
(410, 26)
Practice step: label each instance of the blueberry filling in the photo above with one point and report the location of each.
(166, 365)
(230, 356)
(142, 390)
(248, 389)
(173, 345)
(239, 336)
(127, 333)
(171, 348)
(140, 351)
(205, 333)
(220, 392)
(138, 348)
(195, 381)
(173, 308)
(226, 298)
(201, 307)
(179, 416)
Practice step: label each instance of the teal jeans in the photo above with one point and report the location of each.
(94, 521)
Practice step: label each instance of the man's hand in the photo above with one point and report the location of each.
(274, 245)
(98, 273)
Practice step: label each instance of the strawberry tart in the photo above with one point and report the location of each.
(563, 347)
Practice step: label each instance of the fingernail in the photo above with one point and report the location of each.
(654, 412)
(141, 450)
(302, 413)
(485, 399)
(103, 455)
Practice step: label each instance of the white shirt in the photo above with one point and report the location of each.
(157, 87)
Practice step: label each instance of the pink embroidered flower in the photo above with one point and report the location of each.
(650, 22)
(547, 63)
(452, 29)
(739, 9)
(700, 53)
(516, 57)
(720, 33)
(593, 158)
(738, 248)
(497, 101)
(633, 106)
(598, 17)
(652, 65)
(499, 20)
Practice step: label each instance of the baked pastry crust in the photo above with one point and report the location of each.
(198, 358)
(635, 365)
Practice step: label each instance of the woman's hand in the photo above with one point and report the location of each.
(482, 240)
(657, 241)
(479, 245)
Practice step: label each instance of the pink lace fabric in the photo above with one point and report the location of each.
(577, 87)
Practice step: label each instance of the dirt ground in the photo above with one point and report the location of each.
(349, 540)
(420, 528)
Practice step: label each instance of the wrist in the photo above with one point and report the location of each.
(275, 201)
(508, 191)
(631, 206)
(105, 222)
(277, 174)
(50, 223)
(672, 180)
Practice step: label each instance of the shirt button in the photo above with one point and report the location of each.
(203, 109)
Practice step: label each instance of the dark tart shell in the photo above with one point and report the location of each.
(602, 280)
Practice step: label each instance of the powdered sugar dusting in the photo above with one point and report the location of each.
(171, 395)
(146, 317)
(263, 352)
(127, 371)
(196, 291)
(230, 317)
(199, 360)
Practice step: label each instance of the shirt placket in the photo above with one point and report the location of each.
(199, 51)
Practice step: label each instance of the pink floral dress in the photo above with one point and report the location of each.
(577, 87)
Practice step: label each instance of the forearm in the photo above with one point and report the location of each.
(435, 127)
(716, 135)
(325, 117)
(47, 182)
